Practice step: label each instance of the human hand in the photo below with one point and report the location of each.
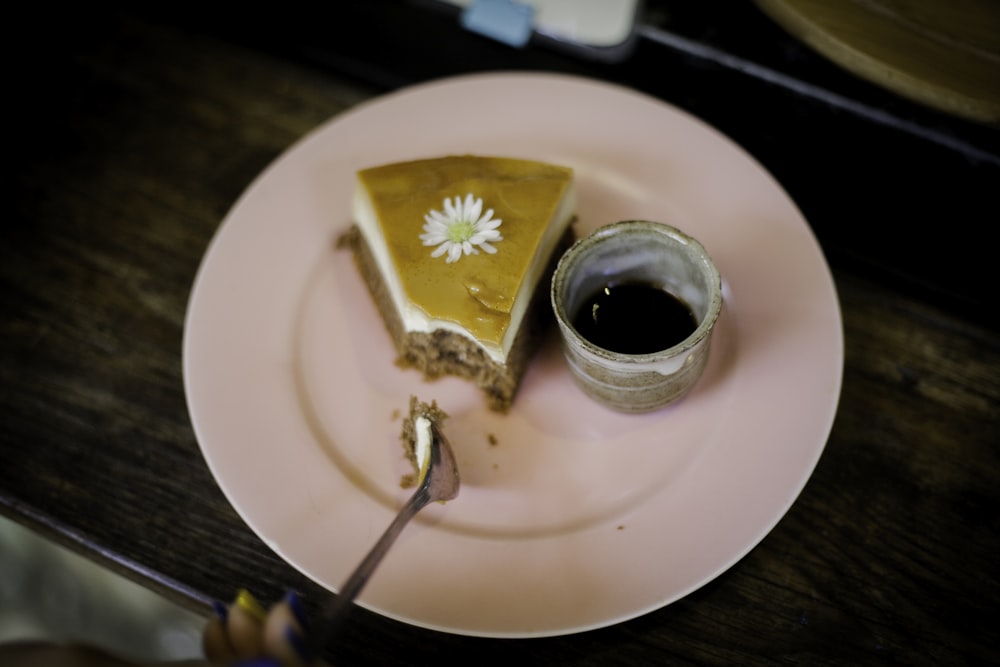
(244, 634)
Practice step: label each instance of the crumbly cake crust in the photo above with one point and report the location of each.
(439, 352)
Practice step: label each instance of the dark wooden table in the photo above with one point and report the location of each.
(129, 141)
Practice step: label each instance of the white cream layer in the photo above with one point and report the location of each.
(415, 318)
(422, 447)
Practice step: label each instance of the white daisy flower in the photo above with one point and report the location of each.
(462, 228)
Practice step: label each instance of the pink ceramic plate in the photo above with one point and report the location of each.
(570, 517)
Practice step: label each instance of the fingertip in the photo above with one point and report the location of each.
(221, 610)
(215, 643)
(244, 626)
(248, 603)
(294, 602)
(284, 636)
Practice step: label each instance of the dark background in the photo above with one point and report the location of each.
(891, 188)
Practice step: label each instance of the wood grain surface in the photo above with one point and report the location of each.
(129, 142)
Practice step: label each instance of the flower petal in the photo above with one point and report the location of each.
(436, 218)
(473, 207)
(486, 235)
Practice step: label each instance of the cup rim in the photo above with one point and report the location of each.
(705, 324)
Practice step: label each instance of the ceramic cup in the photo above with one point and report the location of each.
(637, 252)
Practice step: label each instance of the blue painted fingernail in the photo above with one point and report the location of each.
(298, 643)
(221, 610)
(295, 604)
(257, 662)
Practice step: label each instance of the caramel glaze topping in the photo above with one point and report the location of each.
(478, 291)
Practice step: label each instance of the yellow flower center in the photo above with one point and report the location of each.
(460, 231)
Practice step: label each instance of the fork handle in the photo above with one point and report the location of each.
(333, 612)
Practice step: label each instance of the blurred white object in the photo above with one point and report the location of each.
(49, 593)
(602, 29)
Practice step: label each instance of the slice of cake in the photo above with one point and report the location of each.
(458, 252)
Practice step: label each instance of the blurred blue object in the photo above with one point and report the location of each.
(503, 20)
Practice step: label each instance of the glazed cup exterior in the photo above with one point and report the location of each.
(637, 251)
